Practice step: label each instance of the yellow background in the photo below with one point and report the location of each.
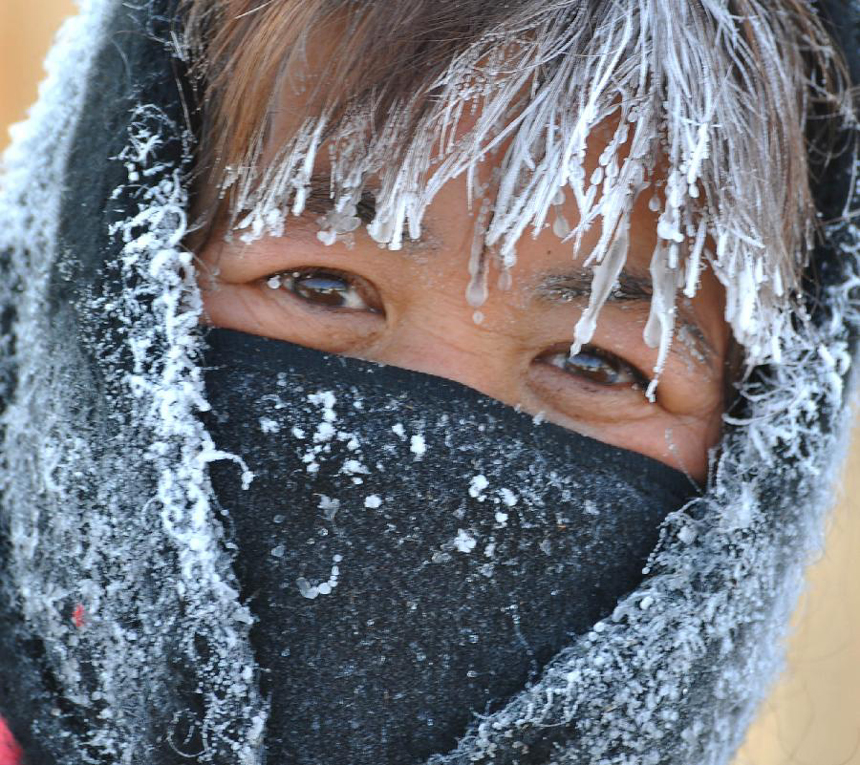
(813, 717)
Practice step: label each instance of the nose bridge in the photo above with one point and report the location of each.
(450, 344)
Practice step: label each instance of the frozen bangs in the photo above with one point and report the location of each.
(704, 106)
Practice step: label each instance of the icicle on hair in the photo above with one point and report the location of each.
(703, 106)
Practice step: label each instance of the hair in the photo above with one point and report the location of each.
(720, 107)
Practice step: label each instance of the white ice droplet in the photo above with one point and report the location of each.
(477, 486)
(399, 430)
(417, 446)
(326, 399)
(325, 432)
(268, 425)
(353, 467)
(329, 506)
(508, 497)
(312, 591)
(687, 535)
(502, 519)
(665, 230)
(561, 228)
(328, 238)
(464, 541)
(306, 589)
(373, 501)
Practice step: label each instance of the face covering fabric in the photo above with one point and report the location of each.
(127, 636)
(414, 552)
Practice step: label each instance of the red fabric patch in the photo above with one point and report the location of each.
(10, 752)
(78, 619)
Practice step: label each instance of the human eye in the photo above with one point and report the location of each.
(596, 367)
(327, 288)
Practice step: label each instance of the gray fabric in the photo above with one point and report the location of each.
(117, 587)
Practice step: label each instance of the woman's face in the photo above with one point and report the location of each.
(408, 308)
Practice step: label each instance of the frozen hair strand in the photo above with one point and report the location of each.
(706, 105)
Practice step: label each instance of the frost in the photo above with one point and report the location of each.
(508, 497)
(269, 426)
(325, 432)
(687, 535)
(306, 589)
(313, 591)
(154, 544)
(329, 506)
(417, 446)
(354, 467)
(373, 502)
(477, 486)
(326, 400)
(464, 542)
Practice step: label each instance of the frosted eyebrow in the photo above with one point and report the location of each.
(320, 202)
(634, 288)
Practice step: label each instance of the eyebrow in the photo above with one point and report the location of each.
(633, 287)
(319, 200)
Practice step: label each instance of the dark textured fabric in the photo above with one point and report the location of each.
(462, 543)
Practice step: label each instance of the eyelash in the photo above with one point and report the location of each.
(289, 280)
(636, 379)
(556, 358)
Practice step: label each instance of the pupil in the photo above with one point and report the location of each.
(323, 289)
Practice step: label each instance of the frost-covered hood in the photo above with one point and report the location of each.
(117, 586)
